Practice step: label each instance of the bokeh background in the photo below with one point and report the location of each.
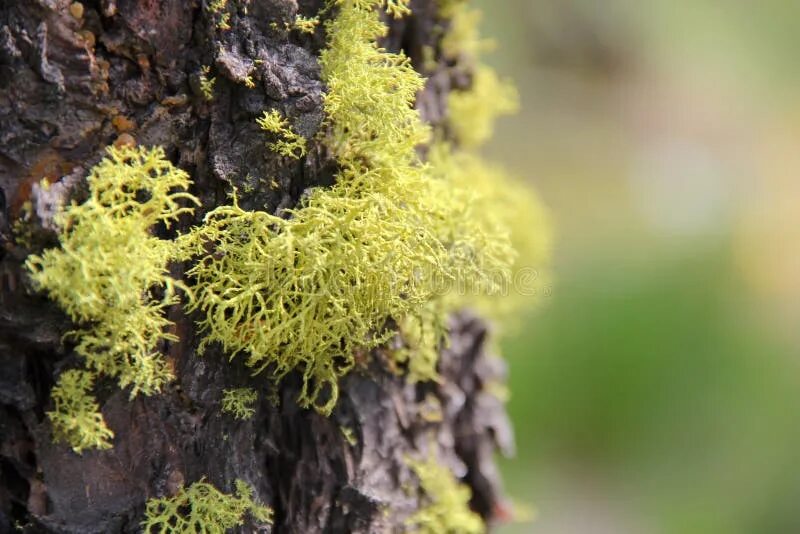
(657, 389)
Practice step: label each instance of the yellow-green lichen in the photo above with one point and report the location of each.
(509, 210)
(207, 83)
(306, 290)
(110, 273)
(369, 103)
(471, 113)
(23, 229)
(76, 416)
(219, 9)
(430, 409)
(421, 334)
(463, 41)
(448, 7)
(239, 402)
(216, 6)
(395, 8)
(502, 202)
(289, 143)
(203, 509)
(305, 24)
(349, 435)
(249, 82)
(445, 508)
(295, 293)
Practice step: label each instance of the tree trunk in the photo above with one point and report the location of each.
(76, 78)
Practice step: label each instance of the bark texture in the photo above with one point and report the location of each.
(72, 83)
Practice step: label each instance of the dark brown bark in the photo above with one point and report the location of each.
(71, 86)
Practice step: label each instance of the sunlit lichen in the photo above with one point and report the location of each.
(76, 416)
(472, 112)
(430, 409)
(203, 509)
(239, 402)
(445, 508)
(289, 143)
(23, 229)
(396, 8)
(307, 291)
(215, 6)
(448, 7)
(380, 250)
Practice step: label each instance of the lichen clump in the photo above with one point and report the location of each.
(206, 82)
(506, 208)
(288, 143)
(203, 509)
(110, 275)
(239, 402)
(445, 508)
(76, 415)
(110, 266)
(392, 247)
(501, 201)
(305, 24)
(472, 113)
(307, 290)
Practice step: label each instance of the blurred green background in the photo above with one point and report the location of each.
(656, 389)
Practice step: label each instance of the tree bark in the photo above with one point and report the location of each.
(72, 82)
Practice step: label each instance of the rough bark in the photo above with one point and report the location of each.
(71, 86)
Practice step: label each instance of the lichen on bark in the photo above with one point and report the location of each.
(139, 79)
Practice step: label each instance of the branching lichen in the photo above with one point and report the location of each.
(207, 83)
(349, 435)
(305, 24)
(76, 416)
(448, 7)
(306, 291)
(369, 103)
(422, 335)
(219, 9)
(295, 293)
(109, 263)
(503, 204)
(507, 210)
(239, 402)
(472, 113)
(110, 276)
(463, 41)
(289, 143)
(446, 510)
(395, 8)
(203, 509)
